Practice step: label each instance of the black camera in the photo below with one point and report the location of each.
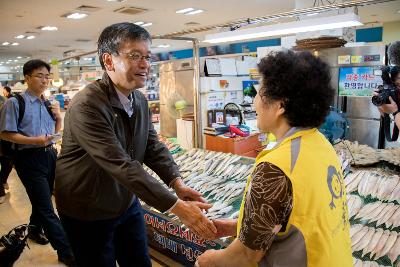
(388, 88)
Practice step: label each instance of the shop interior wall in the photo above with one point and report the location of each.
(391, 32)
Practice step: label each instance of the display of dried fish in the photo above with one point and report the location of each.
(354, 204)
(374, 242)
(391, 155)
(385, 187)
(359, 155)
(373, 202)
(363, 155)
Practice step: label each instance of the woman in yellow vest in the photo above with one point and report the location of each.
(294, 211)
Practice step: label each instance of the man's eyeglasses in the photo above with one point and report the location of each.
(136, 57)
(42, 76)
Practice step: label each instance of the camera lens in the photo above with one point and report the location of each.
(378, 100)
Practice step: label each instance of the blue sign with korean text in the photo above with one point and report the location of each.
(172, 240)
(359, 81)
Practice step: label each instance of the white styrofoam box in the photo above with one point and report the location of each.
(185, 133)
(220, 84)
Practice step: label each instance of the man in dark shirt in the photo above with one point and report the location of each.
(108, 135)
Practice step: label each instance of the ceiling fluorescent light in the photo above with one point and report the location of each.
(5, 43)
(147, 24)
(48, 28)
(77, 15)
(139, 23)
(163, 45)
(307, 25)
(185, 10)
(15, 44)
(30, 37)
(194, 12)
(19, 36)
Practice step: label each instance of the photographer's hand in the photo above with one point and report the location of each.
(388, 108)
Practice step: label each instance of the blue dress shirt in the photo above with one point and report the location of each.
(36, 121)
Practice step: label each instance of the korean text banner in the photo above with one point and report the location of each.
(358, 81)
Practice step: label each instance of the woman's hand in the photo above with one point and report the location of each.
(225, 227)
(206, 259)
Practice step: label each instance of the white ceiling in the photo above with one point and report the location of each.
(19, 16)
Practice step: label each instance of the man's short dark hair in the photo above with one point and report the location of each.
(34, 64)
(302, 82)
(8, 89)
(113, 35)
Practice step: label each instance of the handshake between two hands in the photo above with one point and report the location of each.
(190, 210)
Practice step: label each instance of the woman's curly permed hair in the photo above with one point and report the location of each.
(302, 82)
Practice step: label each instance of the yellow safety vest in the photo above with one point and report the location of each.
(317, 233)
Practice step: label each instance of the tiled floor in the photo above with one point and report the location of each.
(16, 210)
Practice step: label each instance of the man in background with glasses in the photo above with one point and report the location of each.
(32, 132)
(108, 135)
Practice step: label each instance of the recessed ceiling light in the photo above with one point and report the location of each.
(15, 60)
(163, 45)
(48, 28)
(19, 57)
(15, 44)
(9, 60)
(147, 24)
(2, 62)
(30, 37)
(139, 22)
(5, 43)
(77, 15)
(185, 10)
(194, 12)
(19, 36)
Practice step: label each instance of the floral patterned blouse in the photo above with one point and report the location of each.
(267, 207)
